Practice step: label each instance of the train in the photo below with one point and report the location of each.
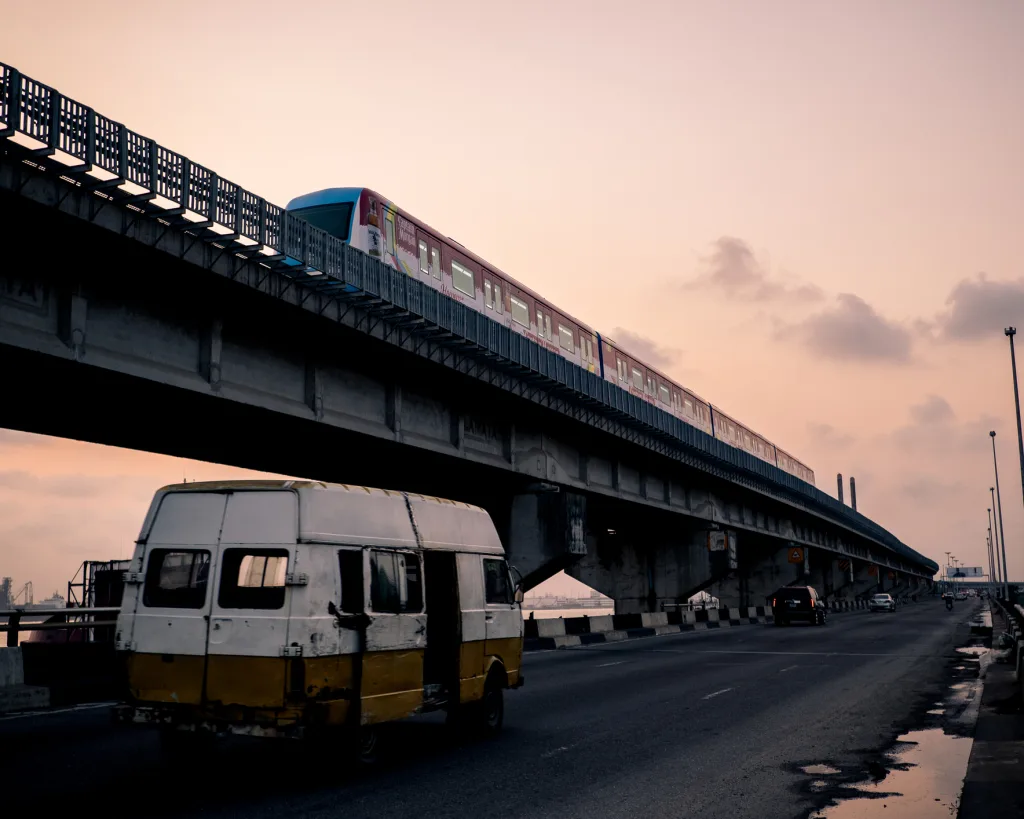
(367, 221)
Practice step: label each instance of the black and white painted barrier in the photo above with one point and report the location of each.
(548, 633)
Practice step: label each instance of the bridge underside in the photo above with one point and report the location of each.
(105, 339)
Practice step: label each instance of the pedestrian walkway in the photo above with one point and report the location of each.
(994, 785)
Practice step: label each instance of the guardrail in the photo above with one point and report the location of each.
(15, 626)
(103, 156)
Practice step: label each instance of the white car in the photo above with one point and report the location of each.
(882, 602)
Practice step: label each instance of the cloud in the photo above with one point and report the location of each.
(645, 349)
(826, 435)
(979, 308)
(12, 438)
(68, 487)
(851, 331)
(733, 269)
(930, 490)
(934, 410)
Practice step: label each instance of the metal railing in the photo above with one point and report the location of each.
(103, 156)
(15, 617)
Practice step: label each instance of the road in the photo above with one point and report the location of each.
(706, 724)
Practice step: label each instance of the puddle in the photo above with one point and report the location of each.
(937, 712)
(974, 651)
(926, 780)
(820, 770)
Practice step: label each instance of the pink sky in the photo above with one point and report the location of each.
(809, 213)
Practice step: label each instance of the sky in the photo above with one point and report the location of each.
(808, 213)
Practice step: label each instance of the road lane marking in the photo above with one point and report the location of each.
(606, 665)
(716, 693)
(788, 668)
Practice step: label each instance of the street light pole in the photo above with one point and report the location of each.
(1010, 332)
(995, 534)
(991, 559)
(999, 504)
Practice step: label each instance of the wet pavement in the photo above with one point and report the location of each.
(921, 775)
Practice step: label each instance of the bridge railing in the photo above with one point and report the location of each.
(76, 618)
(133, 170)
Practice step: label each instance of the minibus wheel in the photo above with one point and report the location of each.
(492, 707)
(367, 743)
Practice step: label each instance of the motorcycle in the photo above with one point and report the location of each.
(949, 603)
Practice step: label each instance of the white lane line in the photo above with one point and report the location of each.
(606, 665)
(716, 693)
(559, 750)
(69, 710)
(788, 668)
(809, 653)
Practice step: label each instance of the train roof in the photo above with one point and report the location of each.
(329, 196)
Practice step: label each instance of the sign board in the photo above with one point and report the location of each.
(716, 541)
(964, 571)
(733, 556)
(796, 554)
(873, 571)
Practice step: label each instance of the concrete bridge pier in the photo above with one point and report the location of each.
(642, 568)
(543, 530)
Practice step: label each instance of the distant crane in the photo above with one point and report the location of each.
(25, 590)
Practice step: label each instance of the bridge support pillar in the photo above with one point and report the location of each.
(544, 532)
(640, 571)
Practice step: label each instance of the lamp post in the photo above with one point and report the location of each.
(999, 504)
(1010, 332)
(991, 559)
(995, 532)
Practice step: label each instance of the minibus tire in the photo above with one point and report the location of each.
(492, 707)
(365, 745)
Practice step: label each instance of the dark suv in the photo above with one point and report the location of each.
(797, 603)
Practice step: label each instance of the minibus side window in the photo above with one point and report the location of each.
(351, 563)
(395, 582)
(176, 579)
(253, 579)
(497, 587)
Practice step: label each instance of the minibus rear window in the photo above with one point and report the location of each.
(176, 579)
(253, 579)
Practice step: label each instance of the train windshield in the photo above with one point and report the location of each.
(334, 219)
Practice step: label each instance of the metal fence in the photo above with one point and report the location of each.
(68, 620)
(102, 154)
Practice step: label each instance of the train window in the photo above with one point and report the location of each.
(488, 295)
(520, 312)
(623, 370)
(638, 379)
(435, 262)
(389, 218)
(540, 323)
(547, 328)
(649, 389)
(664, 394)
(498, 303)
(462, 280)
(423, 258)
(565, 338)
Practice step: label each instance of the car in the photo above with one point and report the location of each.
(798, 603)
(961, 595)
(881, 602)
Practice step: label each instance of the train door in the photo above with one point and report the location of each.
(391, 678)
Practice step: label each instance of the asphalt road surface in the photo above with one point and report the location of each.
(706, 724)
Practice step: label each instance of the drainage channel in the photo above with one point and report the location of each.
(921, 775)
